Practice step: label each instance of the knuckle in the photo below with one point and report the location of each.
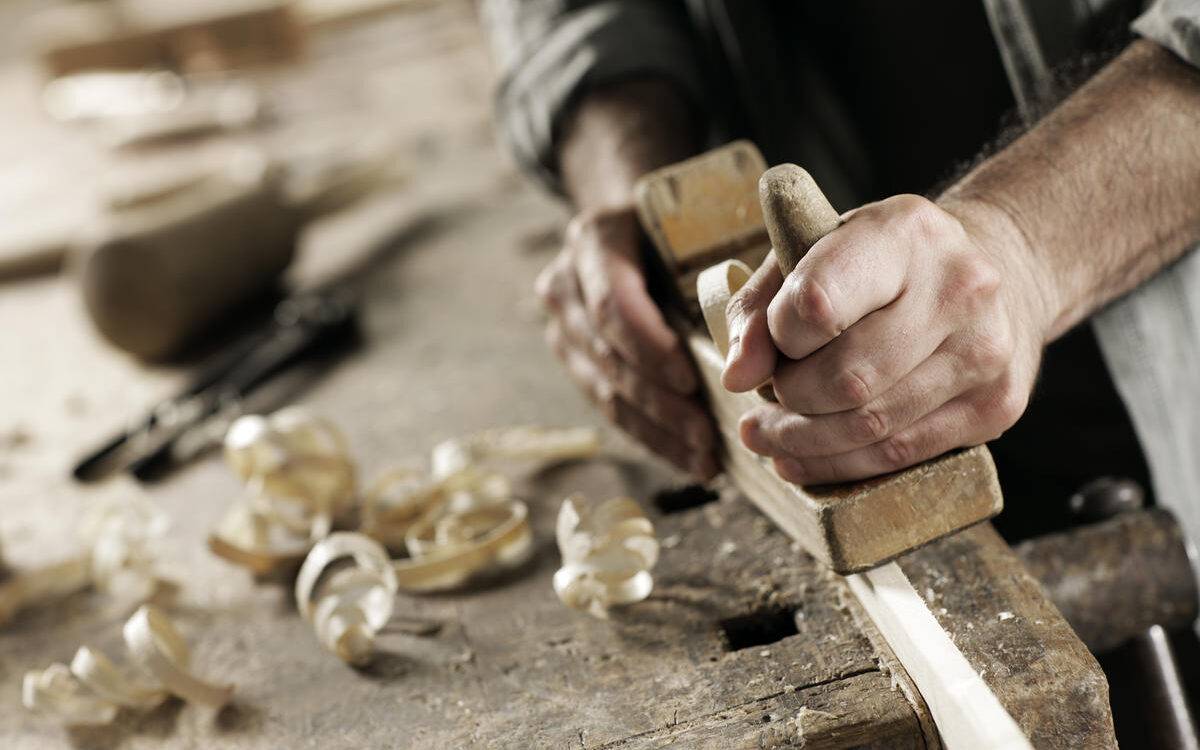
(920, 216)
(601, 308)
(605, 357)
(988, 354)
(971, 282)
(852, 387)
(868, 424)
(1006, 408)
(637, 392)
(739, 304)
(607, 401)
(811, 304)
(898, 451)
(744, 301)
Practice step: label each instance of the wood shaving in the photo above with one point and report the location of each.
(124, 534)
(121, 537)
(299, 479)
(714, 287)
(462, 521)
(453, 523)
(608, 551)
(94, 688)
(349, 604)
(458, 547)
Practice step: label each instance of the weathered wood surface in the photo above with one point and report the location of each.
(1006, 627)
(509, 666)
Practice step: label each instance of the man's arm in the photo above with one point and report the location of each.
(1106, 190)
(604, 326)
(917, 327)
(593, 94)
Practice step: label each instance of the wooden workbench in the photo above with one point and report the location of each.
(744, 642)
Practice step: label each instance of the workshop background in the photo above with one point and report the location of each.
(370, 256)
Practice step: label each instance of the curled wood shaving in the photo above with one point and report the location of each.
(121, 537)
(608, 552)
(299, 479)
(714, 287)
(124, 535)
(30, 587)
(462, 520)
(397, 501)
(464, 476)
(460, 456)
(349, 604)
(455, 548)
(455, 522)
(93, 688)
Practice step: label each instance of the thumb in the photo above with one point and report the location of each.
(752, 353)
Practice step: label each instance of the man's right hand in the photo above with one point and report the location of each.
(616, 345)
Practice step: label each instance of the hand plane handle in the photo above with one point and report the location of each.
(796, 212)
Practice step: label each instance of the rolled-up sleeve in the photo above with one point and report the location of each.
(1175, 24)
(551, 51)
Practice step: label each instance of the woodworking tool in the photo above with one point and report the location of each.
(159, 273)
(714, 208)
(302, 326)
(155, 276)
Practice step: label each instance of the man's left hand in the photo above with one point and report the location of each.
(910, 330)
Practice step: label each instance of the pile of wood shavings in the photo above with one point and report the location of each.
(450, 526)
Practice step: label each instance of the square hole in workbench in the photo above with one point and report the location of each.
(678, 499)
(759, 628)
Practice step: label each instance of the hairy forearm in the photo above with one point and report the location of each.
(618, 133)
(1104, 192)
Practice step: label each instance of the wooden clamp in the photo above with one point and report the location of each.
(966, 631)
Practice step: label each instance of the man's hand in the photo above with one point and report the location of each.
(615, 344)
(906, 332)
(603, 324)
